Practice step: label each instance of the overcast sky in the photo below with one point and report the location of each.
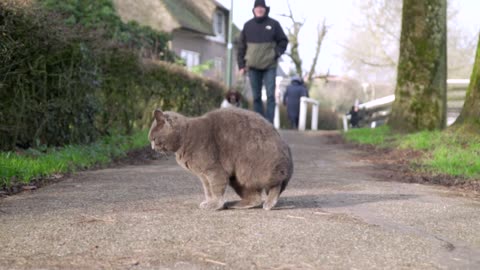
(339, 15)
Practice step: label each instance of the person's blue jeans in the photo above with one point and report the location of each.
(257, 79)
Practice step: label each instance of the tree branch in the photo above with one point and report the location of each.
(366, 62)
(321, 33)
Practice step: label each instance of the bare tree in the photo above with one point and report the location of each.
(372, 47)
(321, 33)
(293, 35)
(371, 51)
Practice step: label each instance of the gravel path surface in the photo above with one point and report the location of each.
(334, 215)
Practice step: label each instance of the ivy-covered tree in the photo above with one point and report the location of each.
(469, 118)
(420, 95)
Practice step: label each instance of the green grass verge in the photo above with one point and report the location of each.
(445, 152)
(34, 163)
(377, 136)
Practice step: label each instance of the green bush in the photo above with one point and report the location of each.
(72, 74)
(47, 91)
(137, 88)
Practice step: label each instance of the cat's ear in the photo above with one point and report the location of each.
(169, 119)
(159, 116)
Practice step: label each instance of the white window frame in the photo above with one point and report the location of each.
(219, 23)
(220, 31)
(191, 58)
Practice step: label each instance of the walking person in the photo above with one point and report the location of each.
(291, 99)
(262, 41)
(355, 116)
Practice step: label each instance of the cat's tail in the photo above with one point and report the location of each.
(274, 193)
(290, 171)
(284, 172)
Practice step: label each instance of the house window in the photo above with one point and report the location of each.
(219, 24)
(191, 58)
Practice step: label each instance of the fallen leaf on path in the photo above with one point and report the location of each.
(322, 213)
(295, 217)
(91, 219)
(29, 187)
(215, 262)
(57, 176)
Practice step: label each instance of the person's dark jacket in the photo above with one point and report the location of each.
(355, 117)
(261, 42)
(292, 96)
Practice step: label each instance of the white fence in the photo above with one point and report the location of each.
(304, 104)
(379, 109)
(302, 123)
(376, 110)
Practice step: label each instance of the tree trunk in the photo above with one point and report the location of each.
(469, 118)
(420, 95)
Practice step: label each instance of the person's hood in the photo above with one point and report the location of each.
(261, 3)
(297, 80)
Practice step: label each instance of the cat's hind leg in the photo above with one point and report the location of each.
(272, 197)
(250, 199)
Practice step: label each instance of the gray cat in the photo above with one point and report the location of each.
(227, 147)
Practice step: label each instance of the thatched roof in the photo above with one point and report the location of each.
(192, 14)
(169, 15)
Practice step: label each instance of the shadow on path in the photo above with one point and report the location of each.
(338, 200)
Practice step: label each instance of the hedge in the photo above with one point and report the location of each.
(62, 82)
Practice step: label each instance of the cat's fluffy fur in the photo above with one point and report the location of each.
(227, 147)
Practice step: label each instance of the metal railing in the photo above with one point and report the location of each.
(375, 110)
(304, 102)
(378, 110)
(302, 123)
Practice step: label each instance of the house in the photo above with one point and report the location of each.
(198, 29)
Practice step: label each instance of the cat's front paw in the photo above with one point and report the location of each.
(213, 205)
(203, 205)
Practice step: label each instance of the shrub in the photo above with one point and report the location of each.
(68, 84)
(137, 88)
(47, 91)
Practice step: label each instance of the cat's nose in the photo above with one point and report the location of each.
(153, 145)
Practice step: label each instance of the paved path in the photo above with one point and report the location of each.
(334, 215)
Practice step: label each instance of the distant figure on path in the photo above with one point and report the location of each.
(232, 99)
(291, 99)
(355, 116)
(262, 41)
